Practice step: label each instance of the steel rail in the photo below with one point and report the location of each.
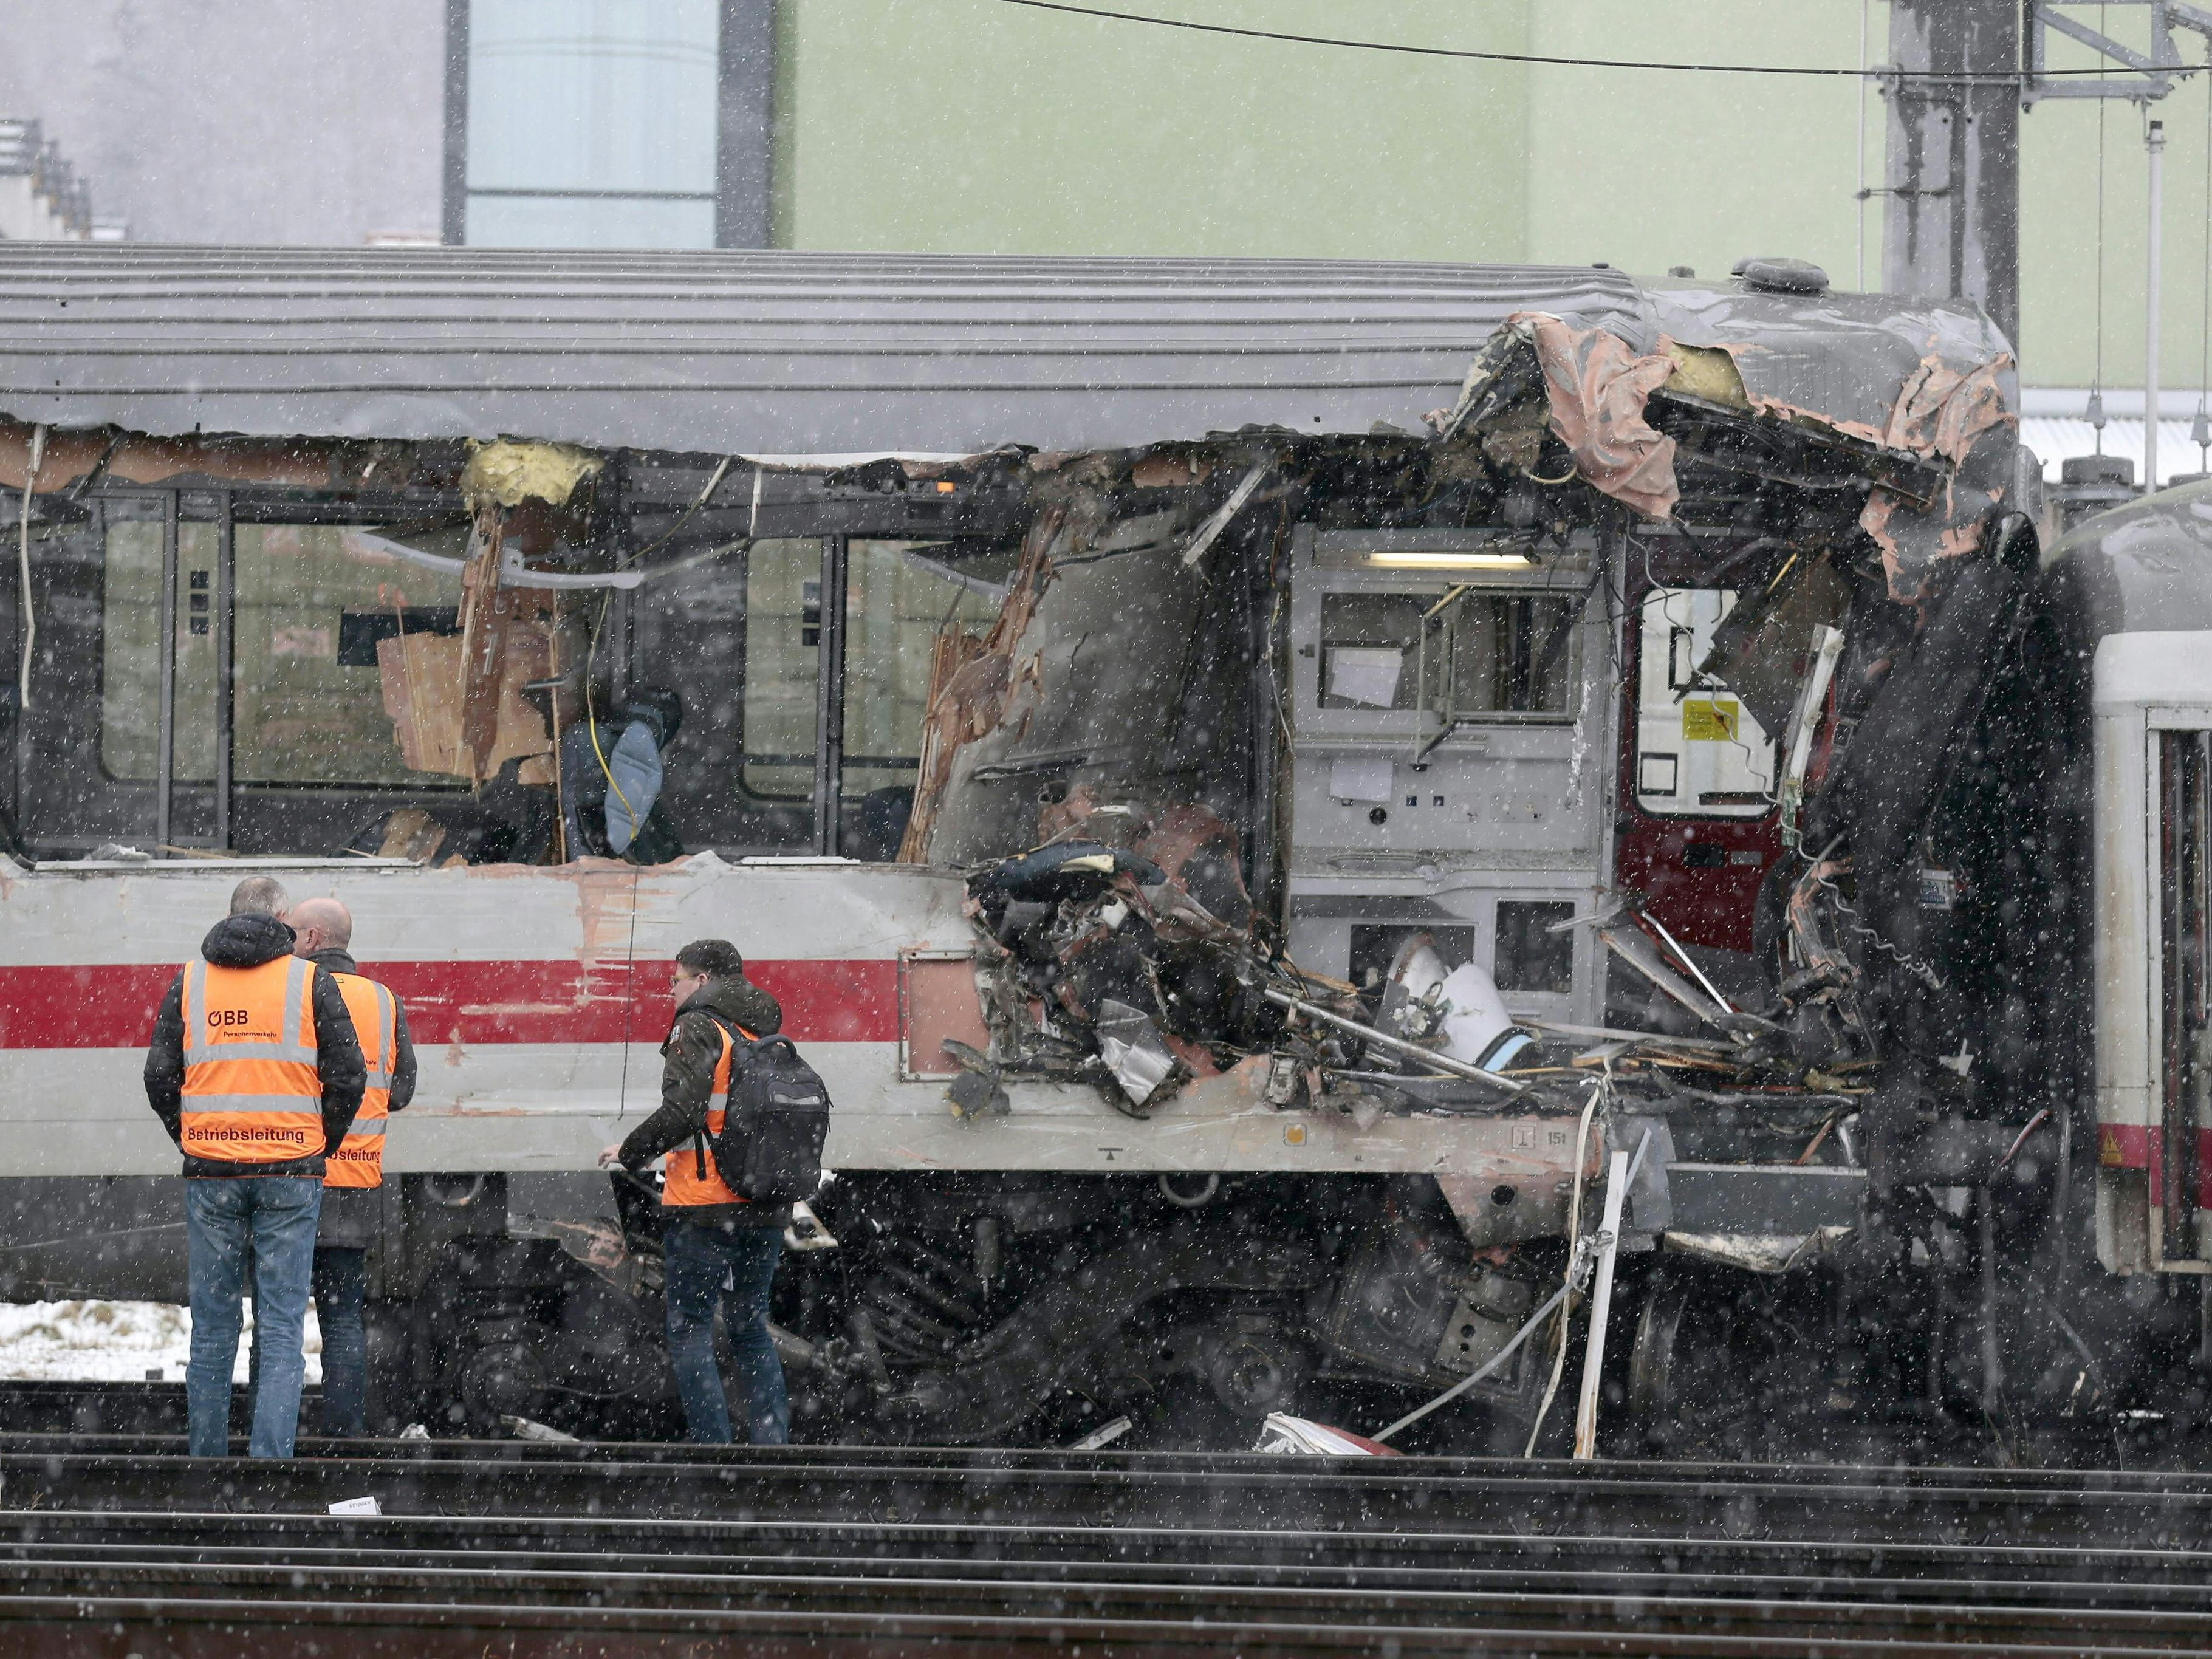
(88, 1560)
(427, 1584)
(865, 1460)
(343, 1629)
(596, 1575)
(873, 1461)
(1460, 1495)
(171, 1535)
(992, 1596)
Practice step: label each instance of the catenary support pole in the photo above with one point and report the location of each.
(2154, 142)
(1951, 184)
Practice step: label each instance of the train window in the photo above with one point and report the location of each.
(900, 597)
(1526, 954)
(1470, 654)
(309, 602)
(312, 600)
(1699, 753)
(783, 633)
(132, 648)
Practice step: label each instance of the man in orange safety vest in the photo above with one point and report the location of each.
(352, 1208)
(254, 1070)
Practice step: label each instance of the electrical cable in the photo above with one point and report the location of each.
(591, 718)
(637, 871)
(32, 457)
(684, 518)
(2007, 77)
(1599, 1086)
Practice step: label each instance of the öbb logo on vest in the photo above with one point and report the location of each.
(229, 1016)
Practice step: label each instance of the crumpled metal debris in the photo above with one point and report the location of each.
(1108, 964)
(1130, 1045)
(1283, 1435)
(1761, 1253)
(1596, 387)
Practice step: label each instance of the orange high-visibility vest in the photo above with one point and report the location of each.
(360, 1161)
(251, 1091)
(688, 1174)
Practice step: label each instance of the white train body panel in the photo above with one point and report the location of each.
(539, 998)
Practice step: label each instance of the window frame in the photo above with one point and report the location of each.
(225, 509)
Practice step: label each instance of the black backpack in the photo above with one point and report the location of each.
(773, 1123)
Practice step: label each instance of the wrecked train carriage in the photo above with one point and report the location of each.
(1392, 680)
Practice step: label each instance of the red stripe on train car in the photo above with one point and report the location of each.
(112, 1005)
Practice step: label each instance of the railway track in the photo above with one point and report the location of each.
(117, 1547)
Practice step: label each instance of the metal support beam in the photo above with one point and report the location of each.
(2153, 71)
(2154, 144)
(165, 741)
(455, 188)
(830, 691)
(1951, 222)
(744, 126)
(226, 670)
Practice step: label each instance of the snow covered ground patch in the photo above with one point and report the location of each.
(114, 1342)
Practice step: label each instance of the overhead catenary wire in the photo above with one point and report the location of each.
(2000, 77)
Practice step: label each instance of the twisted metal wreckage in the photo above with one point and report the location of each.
(1865, 502)
(1874, 507)
(1263, 717)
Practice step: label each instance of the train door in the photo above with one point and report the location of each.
(207, 677)
(1698, 826)
(2180, 763)
(120, 742)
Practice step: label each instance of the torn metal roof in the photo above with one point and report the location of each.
(778, 353)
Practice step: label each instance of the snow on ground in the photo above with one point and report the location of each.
(114, 1342)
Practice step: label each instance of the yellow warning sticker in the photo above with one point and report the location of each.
(1710, 720)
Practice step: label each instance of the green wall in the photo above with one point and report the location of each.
(1647, 169)
(974, 125)
(981, 127)
(2058, 237)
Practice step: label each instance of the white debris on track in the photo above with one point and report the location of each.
(114, 1342)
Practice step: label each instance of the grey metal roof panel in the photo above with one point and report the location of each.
(774, 353)
(2138, 568)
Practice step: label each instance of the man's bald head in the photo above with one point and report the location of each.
(321, 924)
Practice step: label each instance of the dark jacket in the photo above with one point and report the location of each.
(353, 1215)
(687, 1082)
(247, 942)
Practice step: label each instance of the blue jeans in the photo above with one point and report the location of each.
(340, 1286)
(702, 1266)
(273, 1218)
